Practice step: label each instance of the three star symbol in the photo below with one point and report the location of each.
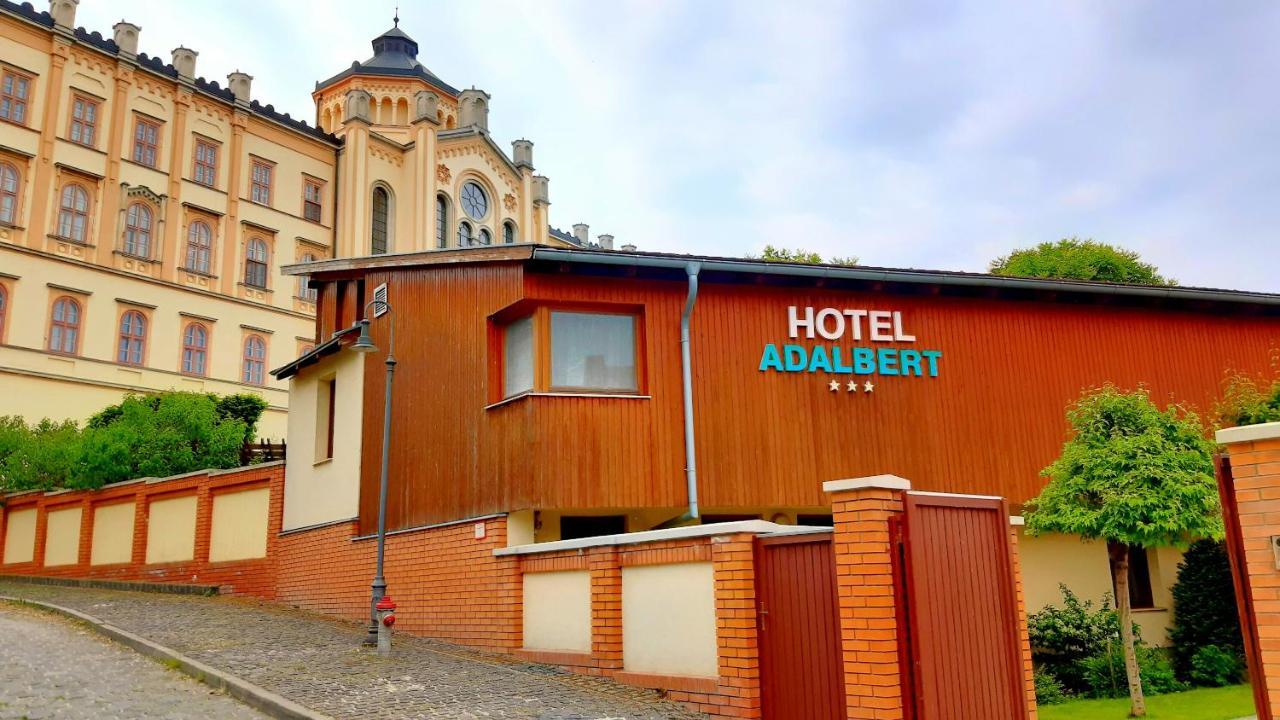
(851, 386)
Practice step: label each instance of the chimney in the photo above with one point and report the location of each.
(240, 83)
(606, 242)
(628, 248)
(358, 106)
(426, 105)
(184, 61)
(541, 189)
(126, 37)
(473, 109)
(580, 232)
(522, 153)
(64, 14)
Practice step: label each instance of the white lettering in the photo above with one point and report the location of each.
(898, 334)
(881, 325)
(796, 323)
(824, 328)
(855, 321)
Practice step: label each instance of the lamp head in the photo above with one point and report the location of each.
(364, 344)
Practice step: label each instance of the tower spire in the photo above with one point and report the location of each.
(397, 16)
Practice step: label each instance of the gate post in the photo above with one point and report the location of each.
(861, 512)
(1252, 511)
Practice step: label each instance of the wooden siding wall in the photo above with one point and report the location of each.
(987, 424)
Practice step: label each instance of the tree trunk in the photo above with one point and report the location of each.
(1120, 569)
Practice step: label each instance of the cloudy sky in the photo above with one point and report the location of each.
(930, 135)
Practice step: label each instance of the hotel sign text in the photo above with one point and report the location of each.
(861, 342)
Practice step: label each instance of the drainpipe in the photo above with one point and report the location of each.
(686, 376)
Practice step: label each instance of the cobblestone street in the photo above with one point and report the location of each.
(53, 668)
(318, 662)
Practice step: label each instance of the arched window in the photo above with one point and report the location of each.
(73, 217)
(486, 237)
(464, 234)
(8, 193)
(199, 242)
(64, 331)
(378, 228)
(255, 263)
(255, 360)
(509, 232)
(309, 294)
(195, 346)
(442, 222)
(133, 338)
(137, 231)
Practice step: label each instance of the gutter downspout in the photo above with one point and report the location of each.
(686, 377)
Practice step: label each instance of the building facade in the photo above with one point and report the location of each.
(548, 385)
(145, 212)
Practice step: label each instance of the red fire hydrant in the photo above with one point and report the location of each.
(386, 608)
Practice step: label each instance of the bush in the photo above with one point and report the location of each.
(1245, 403)
(1216, 666)
(1105, 676)
(1062, 637)
(1048, 690)
(1075, 259)
(1204, 607)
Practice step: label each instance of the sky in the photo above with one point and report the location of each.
(935, 135)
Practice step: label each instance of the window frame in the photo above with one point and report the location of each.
(253, 367)
(4, 309)
(265, 188)
(15, 196)
(509, 233)
(373, 221)
(189, 347)
(210, 169)
(130, 226)
(128, 343)
(541, 316)
(471, 238)
(66, 326)
(442, 221)
(254, 266)
(14, 100)
(206, 248)
(139, 123)
(307, 294)
(308, 184)
(88, 122)
(73, 213)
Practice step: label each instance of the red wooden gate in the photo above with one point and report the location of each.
(1239, 577)
(962, 613)
(801, 675)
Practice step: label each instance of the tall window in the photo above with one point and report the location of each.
(442, 222)
(486, 238)
(517, 365)
(4, 306)
(137, 231)
(84, 120)
(260, 182)
(133, 337)
(199, 244)
(311, 206)
(73, 215)
(8, 193)
(255, 263)
(15, 88)
(464, 234)
(509, 232)
(195, 346)
(309, 294)
(146, 139)
(206, 163)
(378, 228)
(64, 331)
(255, 360)
(593, 351)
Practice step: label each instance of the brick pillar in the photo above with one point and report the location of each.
(141, 510)
(606, 607)
(1254, 451)
(204, 524)
(861, 510)
(1028, 670)
(733, 562)
(86, 536)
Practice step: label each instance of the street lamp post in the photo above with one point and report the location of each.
(364, 344)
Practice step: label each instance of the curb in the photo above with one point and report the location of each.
(133, 586)
(246, 692)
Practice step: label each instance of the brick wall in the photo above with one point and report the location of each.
(241, 577)
(447, 582)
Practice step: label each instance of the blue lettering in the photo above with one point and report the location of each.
(797, 358)
(770, 360)
(910, 361)
(818, 360)
(864, 361)
(932, 356)
(838, 366)
(888, 361)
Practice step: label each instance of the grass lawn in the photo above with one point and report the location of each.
(1205, 704)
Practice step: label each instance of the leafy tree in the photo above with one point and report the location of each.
(1076, 259)
(784, 255)
(38, 457)
(1245, 403)
(1135, 476)
(245, 407)
(1204, 607)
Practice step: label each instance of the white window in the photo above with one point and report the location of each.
(593, 351)
(517, 365)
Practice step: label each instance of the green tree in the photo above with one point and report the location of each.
(1076, 259)
(1204, 606)
(37, 457)
(798, 255)
(1135, 476)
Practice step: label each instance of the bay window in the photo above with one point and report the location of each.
(568, 350)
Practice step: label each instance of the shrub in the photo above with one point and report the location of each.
(1048, 690)
(1216, 666)
(1076, 259)
(1062, 637)
(1105, 676)
(1204, 606)
(1244, 402)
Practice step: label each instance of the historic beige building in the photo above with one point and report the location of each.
(145, 211)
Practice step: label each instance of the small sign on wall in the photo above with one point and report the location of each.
(479, 531)
(380, 300)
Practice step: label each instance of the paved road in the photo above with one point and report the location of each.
(318, 662)
(52, 668)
